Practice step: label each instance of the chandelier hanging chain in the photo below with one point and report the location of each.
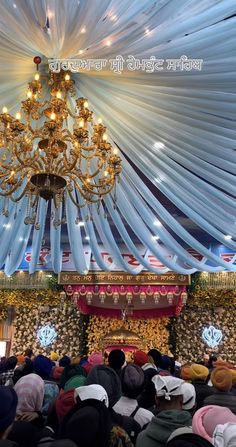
(51, 151)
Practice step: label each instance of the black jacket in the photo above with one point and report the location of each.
(202, 392)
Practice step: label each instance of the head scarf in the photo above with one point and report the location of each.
(54, 356)
(189, 396)
(198, 372)
(140, 358)
(90, 425)
(92, 392)
(30, 393)
(206, 419)
(43, 366)
(74, 382)
(168, 386)
(20, 359)
(225, 435)
(221, 378)
(64, 403)
(96, 358)
(64, 361)
(108, 379)
(116, 359)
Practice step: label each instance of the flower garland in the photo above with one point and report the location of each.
(209, 297)
(65, 320)
(29, 298)
(188, 333)
(154, 332)
(3, 314)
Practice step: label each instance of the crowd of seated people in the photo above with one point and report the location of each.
(153, 401)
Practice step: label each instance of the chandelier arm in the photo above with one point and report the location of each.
(21, 195)
(8, 193)
(74, 201)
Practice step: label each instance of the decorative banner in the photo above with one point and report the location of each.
(46, 335)
(123, 278)
(212, 336)
(44, 262)
(220, 280)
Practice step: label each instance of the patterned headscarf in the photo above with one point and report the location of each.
(30, 393)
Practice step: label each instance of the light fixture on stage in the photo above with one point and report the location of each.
(212, 336)
(156, 297)
(52, 149)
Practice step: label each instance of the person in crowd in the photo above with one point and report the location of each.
(221, 379)
(27, 435)
(189, 398)
(30, 393)
(132, 381)
(29, 353)
(54, 357)
(166, 365)
(75, 382)
(23, 370)
(225, 435)
(199, 375)
(89, 422)
(116, 360)
(140, 358)
(8, 405)
(108, 378)
(155, 358)
(185, 373)
(96, 358)
(187, 440)
(147, 398)
(70, 371)
(207, 418)
(7, 372)
(169, 402)
(43, 366)
(64, 361)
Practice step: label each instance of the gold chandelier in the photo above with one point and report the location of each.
(51, 149)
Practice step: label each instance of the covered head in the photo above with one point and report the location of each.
(54, 356)
(89, 425)
(10, 363)
(221, 378)
(74, 382)
(198, 372)
(8, 405)
(43, 366)
(64, 361)
(116, 359)
(91, 392)
(96, 358)
(155, 357)
(140, 358)
(132, 380)
(189, 396)
(108, 378)
(185, 372)
(207, 418)
(30, 393)
(169, 392)
(225, 435)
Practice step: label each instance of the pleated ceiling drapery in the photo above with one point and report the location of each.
(177, 127)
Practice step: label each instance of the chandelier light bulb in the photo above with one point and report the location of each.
(81, 123)
(88, 180)
(86, 104)
(29, 94)
(67, 77)
(36, 76)
(18, 115)
(99, 120)
(58, 95)
(104, 137)
(4, 109)
(53, 116)
(115, 151)
(105, 173)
